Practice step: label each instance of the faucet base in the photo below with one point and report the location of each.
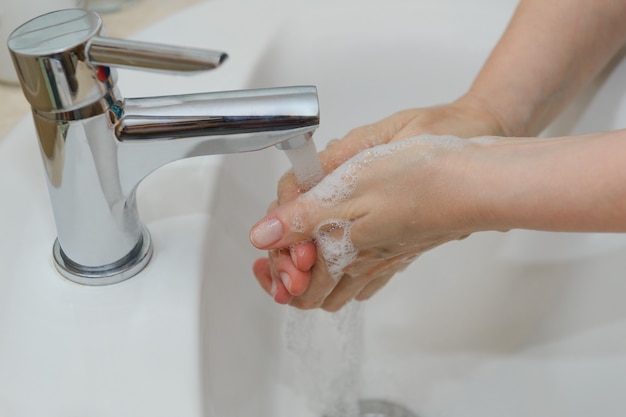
(119, 271)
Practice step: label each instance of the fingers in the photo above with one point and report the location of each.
(359, 282)
(293, 279)
(287, 274)
(270, 283)
(320, 285)
(372, 287)
(287, 225)
(303, 255)
(347, 289)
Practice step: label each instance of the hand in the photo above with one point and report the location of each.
(294, 275)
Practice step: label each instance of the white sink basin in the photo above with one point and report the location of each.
(514, 324)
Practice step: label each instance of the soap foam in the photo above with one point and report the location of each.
(339, 185)
(333, 240)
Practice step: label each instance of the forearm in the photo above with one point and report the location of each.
(548, 54)
(575, 184)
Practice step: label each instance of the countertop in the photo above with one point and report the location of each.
(136, 16)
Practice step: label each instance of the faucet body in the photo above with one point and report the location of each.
(98, 146)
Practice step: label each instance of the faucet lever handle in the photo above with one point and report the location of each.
(154, 56)
(62, 60)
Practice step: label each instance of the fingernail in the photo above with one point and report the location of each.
(274, 288)
(286, 279)
(294, 258)
(266, 233)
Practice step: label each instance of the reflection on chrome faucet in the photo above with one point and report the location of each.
(98, 146)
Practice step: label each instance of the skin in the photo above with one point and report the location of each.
(548, 54)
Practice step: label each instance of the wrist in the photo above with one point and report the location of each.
(498, 121)
(493, 122)
(485, 183)
(464, 195)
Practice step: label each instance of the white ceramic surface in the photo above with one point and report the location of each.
(517, 324)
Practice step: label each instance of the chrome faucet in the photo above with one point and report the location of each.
(97, 146)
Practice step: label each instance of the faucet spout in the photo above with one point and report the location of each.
(268, 113)
(154, 131)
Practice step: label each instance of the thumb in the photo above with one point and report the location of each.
(286, 225)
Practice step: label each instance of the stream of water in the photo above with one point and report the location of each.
(326, 348)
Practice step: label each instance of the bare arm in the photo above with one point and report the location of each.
(548, 54)
(572, 184)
